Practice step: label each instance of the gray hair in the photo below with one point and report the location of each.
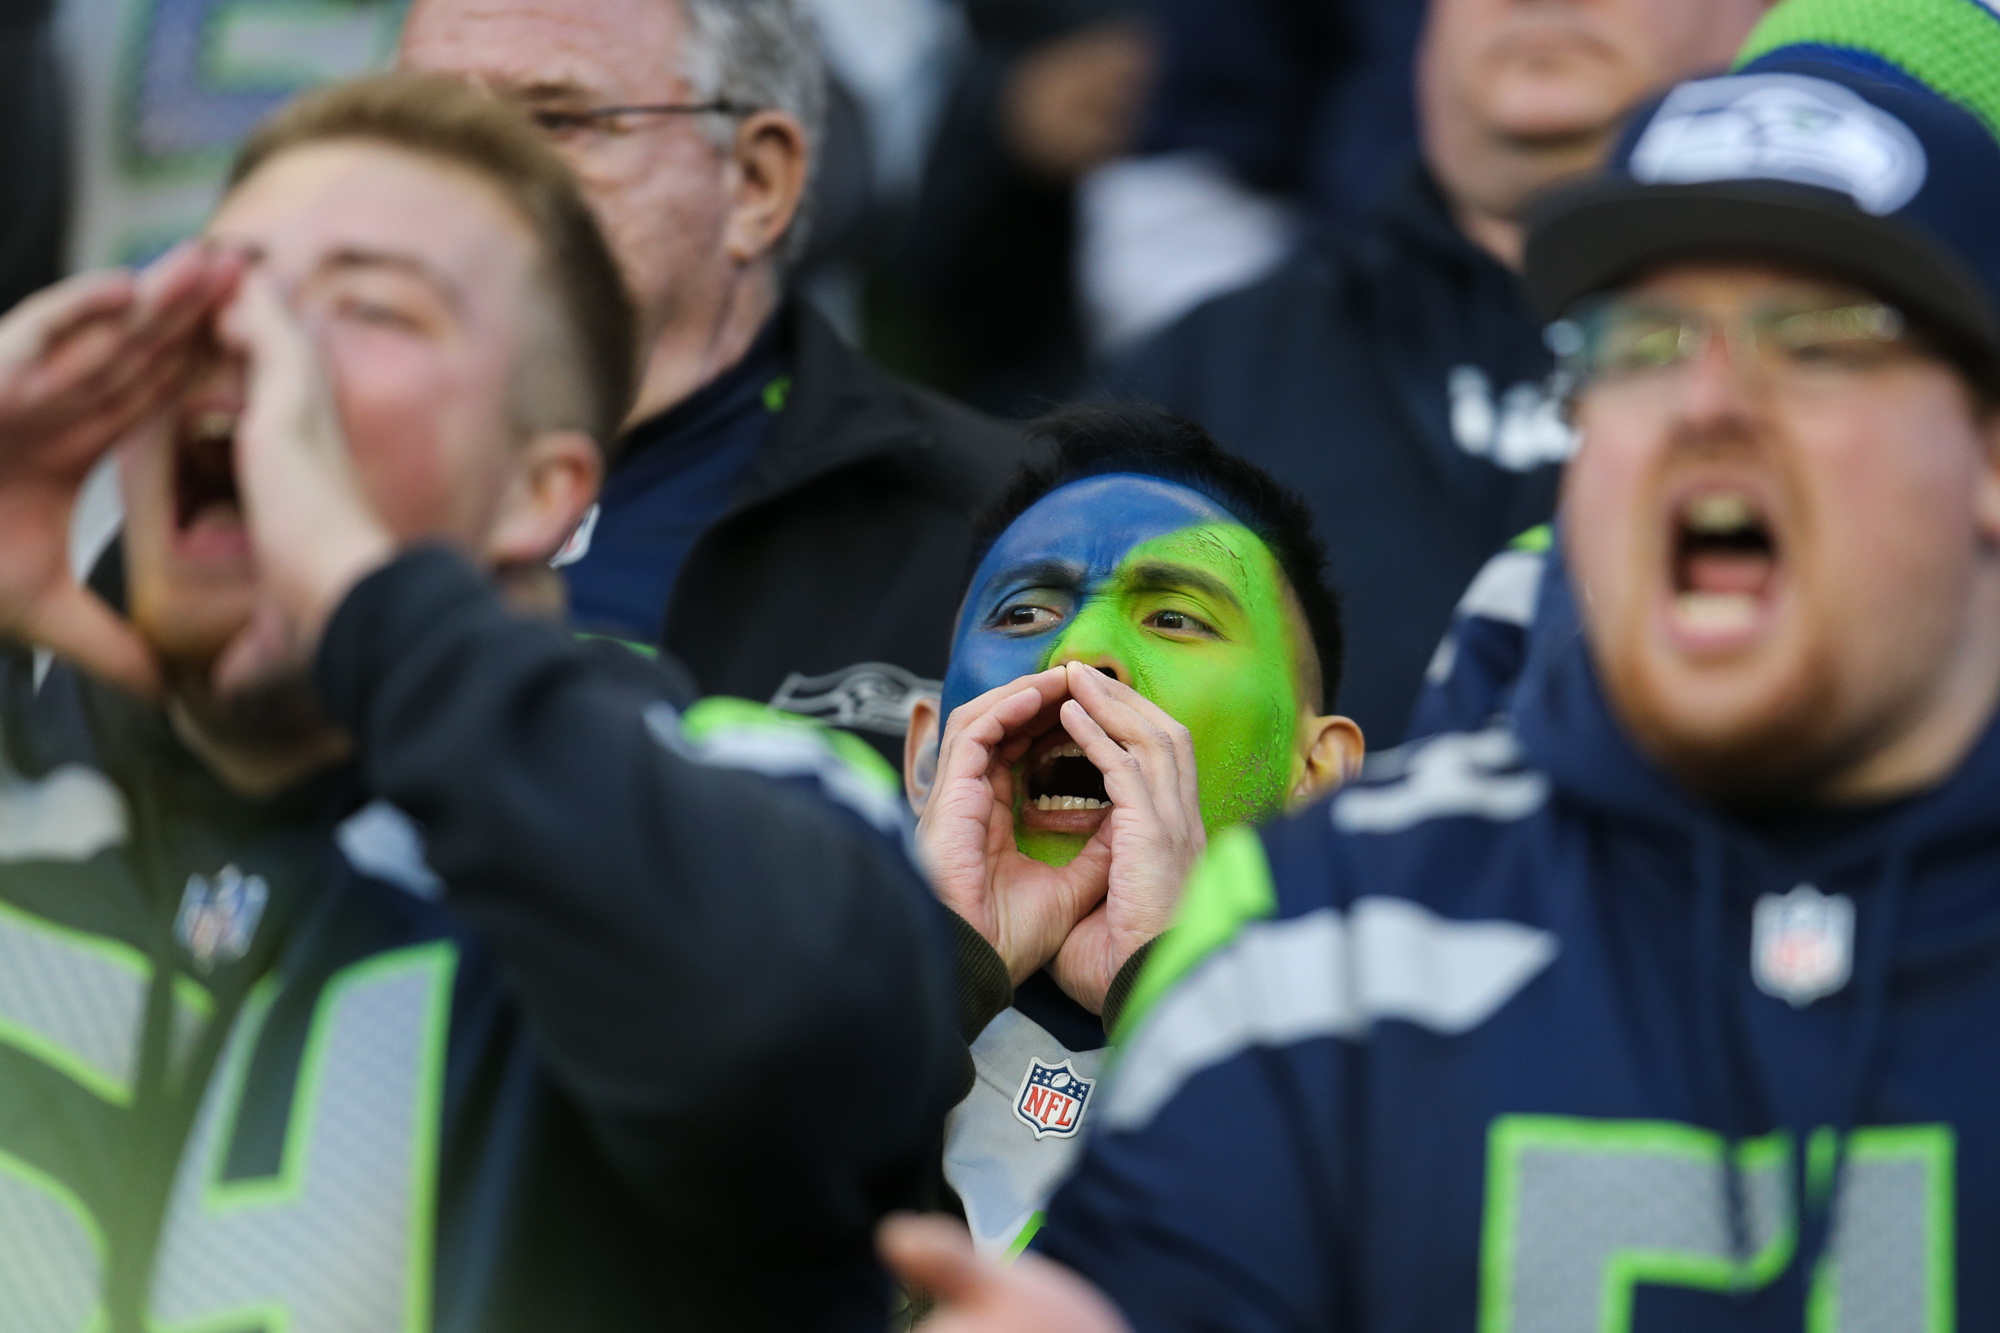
(764, 54)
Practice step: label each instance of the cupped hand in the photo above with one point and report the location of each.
(1022, 907)
(82, 365)
(1153, 835)
(934, 1255)
(312, 529)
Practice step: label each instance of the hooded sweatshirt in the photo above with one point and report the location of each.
(1513, 1035)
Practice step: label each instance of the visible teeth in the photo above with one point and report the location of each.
(1067, 750)
(213, 424)
(1069, 803)
(1720, 512)
(1715, 612)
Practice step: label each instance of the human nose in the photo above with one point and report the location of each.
(1092, 641)
(1720, 381)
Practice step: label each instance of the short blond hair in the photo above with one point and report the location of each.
(592, 385)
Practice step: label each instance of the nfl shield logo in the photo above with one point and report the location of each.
(218, 919)
(1802, 944)
(1051, 1099)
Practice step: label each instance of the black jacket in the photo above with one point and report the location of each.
(643, 1032)
(34, 144)
(830, 586)
(1396, 378)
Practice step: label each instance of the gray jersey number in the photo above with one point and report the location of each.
(1579, 1213)
(337, 1241)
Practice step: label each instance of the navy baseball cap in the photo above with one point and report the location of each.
(1831, 158)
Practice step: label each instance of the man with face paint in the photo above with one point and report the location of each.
(1147, 652)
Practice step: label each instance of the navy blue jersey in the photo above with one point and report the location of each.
(1512, 1035)
(561, 1007)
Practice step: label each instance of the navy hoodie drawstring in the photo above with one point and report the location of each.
(1813, 1202)
(1712, 1019)
(1871, 1000)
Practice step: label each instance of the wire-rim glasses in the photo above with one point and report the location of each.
(1626, 338)
(556, 121)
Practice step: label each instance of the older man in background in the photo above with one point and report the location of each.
(788, 520)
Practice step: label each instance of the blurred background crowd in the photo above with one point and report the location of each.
(1012, 190)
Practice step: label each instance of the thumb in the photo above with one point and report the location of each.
(934, 1253)
(74, 623)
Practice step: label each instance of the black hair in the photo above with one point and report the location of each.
(1091, 440)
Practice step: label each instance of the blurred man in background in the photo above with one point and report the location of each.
(1271, 121)
(1396, 377)
(596, 1047)
(978, 293)
(1647, 1005)
(785, 518)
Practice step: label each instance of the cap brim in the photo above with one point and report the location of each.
(1594, 235)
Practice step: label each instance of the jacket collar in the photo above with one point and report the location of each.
(841, 411)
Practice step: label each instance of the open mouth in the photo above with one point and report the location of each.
(1062, 790)
(205, 471)
(1725, 565)
(1060, 778)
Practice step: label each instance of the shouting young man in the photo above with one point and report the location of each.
(1148, 652)
(1659, 1003)
(262, 1063)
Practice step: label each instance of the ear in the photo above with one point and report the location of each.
(1330, 752)
(920, 745)
(555, 482)
(769, 179)
(1986, 497)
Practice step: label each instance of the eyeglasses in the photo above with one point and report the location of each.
(1624, 338)
(555, 122)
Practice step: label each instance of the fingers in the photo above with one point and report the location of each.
(1127, 715)
(312, 525)
(1123, 732)
(1033, 1295)
(257, 324)
(71, 349)
(73, 623)
(998, 725)
(935, 1253)
(187, 281)
(49, 315)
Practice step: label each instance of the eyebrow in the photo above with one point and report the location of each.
(358, 257)
(542, 90)
(1161, 575)
(1046, 573)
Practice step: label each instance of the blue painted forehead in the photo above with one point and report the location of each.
(1094, 522)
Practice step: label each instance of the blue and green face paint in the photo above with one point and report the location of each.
(1187, 602)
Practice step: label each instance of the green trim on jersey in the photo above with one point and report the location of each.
(717, 715)
(1538, 540)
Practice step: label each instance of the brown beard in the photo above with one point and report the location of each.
(1784, 759)
(273, 718)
